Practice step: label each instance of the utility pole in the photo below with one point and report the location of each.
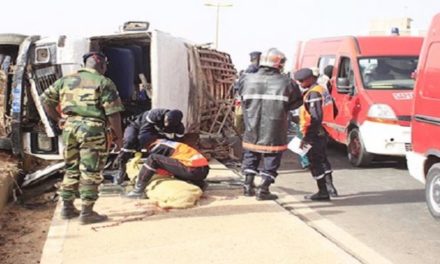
(217, 5)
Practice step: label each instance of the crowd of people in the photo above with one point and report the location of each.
(87, 107)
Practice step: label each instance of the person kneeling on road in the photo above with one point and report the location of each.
(144, 130)
(175, 158)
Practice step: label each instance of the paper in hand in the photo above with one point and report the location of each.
(294, 145)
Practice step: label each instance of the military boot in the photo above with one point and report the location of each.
(248, 185)
(123, 158)
(263, 192)
(88, 216)
(142, 181)
(119, 179)
(322, 194)
(330, 187)
(68, 211)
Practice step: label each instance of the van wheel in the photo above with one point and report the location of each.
(432, 191)
(357, 154)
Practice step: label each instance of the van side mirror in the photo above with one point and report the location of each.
(343, 86)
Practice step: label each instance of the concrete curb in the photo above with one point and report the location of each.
(332, 232)
(53, 248)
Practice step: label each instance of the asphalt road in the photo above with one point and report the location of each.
(380, 208)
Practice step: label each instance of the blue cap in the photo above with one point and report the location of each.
(255, 55)
(303, 74)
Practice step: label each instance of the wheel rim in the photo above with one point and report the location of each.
(434, 194)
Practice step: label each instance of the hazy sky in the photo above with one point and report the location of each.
(246, 26)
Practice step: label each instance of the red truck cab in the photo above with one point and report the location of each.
(372, 88)
(424, 158)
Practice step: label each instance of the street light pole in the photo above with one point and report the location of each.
(217, 20)
(217, 5)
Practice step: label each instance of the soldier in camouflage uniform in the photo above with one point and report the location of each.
(89, 101)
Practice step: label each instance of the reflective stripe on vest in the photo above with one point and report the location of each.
(327, 108)
(185, 154)
(266, 97)
(259, 148)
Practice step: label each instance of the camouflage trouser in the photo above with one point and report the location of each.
(85, 155)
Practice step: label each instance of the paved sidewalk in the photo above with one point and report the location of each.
(224, 228)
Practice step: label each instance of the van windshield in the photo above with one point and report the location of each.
(388, 72)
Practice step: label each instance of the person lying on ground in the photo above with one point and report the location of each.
(171, 158)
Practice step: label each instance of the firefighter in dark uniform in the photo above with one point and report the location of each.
(169, 157)
(267, 96)
(252, 68)
(255, 62)
(144, 130)
(317, 107)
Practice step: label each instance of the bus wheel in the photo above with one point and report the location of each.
(432, 191)
(357, 154)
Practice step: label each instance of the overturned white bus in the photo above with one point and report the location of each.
(150, 69)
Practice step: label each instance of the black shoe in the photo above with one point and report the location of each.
(248, 190)
(119, 180)
(317, 197)
(88, 216)
(135, 194)
(330, 187)
(332, 192)
(322, 194)
(122, 159)
(263, 195)
(69, 211)
(249, 186)
(142, 181)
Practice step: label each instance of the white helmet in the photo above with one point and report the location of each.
(273, 58)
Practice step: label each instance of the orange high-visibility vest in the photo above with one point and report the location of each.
(327, 108)
(185, 154)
